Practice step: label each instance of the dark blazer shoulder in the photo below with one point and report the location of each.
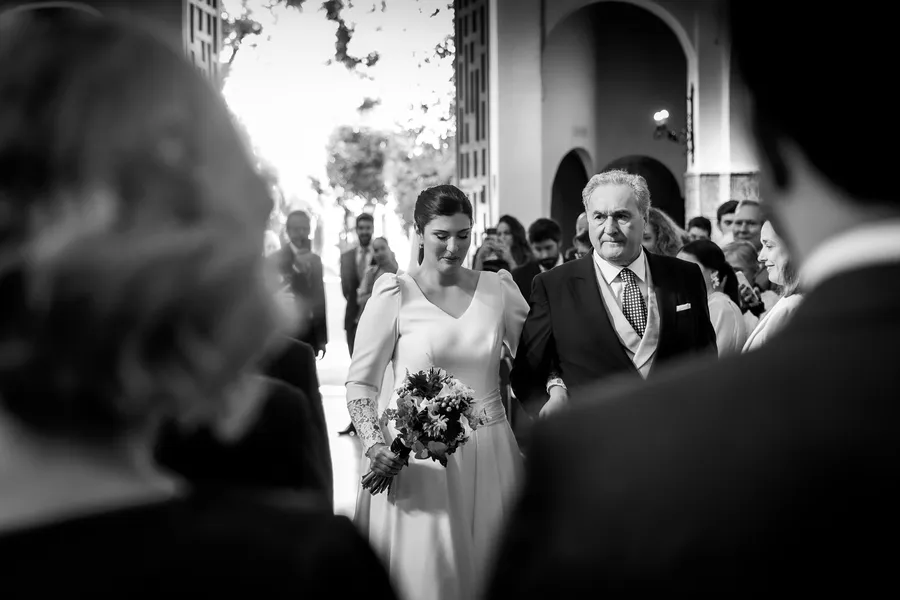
(668, 266)
(580, 267)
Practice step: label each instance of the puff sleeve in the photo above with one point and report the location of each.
(515, 309)
(376, 338)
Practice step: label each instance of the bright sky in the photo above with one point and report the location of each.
(290, 101)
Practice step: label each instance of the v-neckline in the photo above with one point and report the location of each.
(463, 314)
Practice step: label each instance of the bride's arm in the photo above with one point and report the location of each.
(376, 337)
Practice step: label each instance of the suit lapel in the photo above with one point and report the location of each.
(665, 300)
(589, 303)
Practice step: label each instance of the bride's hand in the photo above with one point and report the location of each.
(384, 462)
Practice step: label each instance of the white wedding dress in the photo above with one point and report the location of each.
(437, 528)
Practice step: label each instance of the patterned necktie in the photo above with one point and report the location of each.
(633, 304)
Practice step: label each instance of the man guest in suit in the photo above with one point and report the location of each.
(701, 482)
(544, 237)
(301, 271)
(619, 310)
(353, 267)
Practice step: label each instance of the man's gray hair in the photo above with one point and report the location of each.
(637, 184)
(748, 202)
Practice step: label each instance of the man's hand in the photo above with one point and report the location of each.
(559, 399)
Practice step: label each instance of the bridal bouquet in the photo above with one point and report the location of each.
(431, 406)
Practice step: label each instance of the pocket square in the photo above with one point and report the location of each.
(682, 307)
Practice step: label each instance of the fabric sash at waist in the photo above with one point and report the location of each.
(490, 410)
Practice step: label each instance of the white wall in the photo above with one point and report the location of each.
(569, 113)
(603, 80)
(516, 182)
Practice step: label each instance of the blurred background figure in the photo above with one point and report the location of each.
(132, 293)
(301, 271)
(272, 243)
(776, 258)
(383, 261)
(724, 301)
(504, 247)
(747, 222)
(725, 222)
(581, 227)
(581, 245)
(354, 263)
(545, 239)
(699, 228)
(662, 235)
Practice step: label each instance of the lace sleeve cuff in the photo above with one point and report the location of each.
(364, 413)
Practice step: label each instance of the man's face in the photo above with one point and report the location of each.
(615, 223)
(546, 252)
(747, 224)
(364, 230)
(726, 223)
(698, 233)
(298, 230)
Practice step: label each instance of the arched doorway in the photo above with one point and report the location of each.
(565, 204)
(606, 68)
(665, 193)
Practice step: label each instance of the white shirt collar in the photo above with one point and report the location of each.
(363, 249)
(294, 248)
(863, 246)
(610, 271)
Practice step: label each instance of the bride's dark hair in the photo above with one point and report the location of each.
(439, 201)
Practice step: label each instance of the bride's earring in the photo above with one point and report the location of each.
(714, 279)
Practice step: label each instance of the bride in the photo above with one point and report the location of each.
(436, 528)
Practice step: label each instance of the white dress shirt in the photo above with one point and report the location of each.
(363, 251)
(863, 246)
(610, 273)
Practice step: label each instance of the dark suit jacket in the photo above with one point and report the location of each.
(769, 473)
(282, 450)
(309, 287)
(568, 329)
(295, 365)
(349, 284)
(524, 276)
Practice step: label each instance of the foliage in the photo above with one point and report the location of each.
(237, 27)
(356, 158)
(414, 165)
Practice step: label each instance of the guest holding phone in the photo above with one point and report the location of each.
(508, 242)
(383, 261)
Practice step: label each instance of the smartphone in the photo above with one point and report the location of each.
(744, 282)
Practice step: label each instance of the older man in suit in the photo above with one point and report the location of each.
(699, 484)
(619, 310)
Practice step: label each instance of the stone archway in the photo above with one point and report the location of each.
(568, 183)
(665, 193)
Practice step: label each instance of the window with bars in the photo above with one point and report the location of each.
(203, 35)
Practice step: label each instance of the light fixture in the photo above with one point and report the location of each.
(662, 128)
(685, 137)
